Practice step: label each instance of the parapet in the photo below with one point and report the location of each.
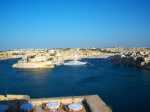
(92, 103)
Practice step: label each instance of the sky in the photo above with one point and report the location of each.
(74, 23)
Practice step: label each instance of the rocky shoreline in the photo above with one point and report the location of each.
(138, 61)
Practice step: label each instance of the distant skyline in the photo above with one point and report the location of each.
(74, 23)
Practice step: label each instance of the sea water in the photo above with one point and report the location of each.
(125, 88)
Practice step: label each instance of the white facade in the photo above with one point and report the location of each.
(39, 59)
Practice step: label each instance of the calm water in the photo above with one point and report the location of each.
(125, 88)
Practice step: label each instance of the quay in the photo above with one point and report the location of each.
(91, 103)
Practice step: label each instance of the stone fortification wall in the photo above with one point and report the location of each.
(47, 64)
(14, 97)
(132, 60)
(14, 100)
(64, 100)
(96, 104)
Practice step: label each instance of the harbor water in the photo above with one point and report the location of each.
(125, 88)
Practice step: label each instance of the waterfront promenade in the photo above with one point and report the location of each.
(91, 103)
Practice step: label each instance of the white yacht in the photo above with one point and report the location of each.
(74, 62)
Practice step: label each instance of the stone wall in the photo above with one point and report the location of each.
(96, 104)
(14, 100)
(64, 100)
(14, 97)
(131, 60)
(92, 102)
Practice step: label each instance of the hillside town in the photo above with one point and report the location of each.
(47, 58)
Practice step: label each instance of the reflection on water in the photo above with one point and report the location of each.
(34, 73)
(37, 71)
(119, 86)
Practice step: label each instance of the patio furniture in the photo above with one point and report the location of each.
(60, 107)
(75, 107)
(27, 107)
(82, 110)
(66, 108)
(53, 105)
(33, 109)
(4, 108)
(45, 108)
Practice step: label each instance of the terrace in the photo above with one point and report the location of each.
(90, 103)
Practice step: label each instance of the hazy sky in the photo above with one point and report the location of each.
(74, 23)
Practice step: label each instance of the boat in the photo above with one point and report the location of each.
(58, 63)
(74, 62)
